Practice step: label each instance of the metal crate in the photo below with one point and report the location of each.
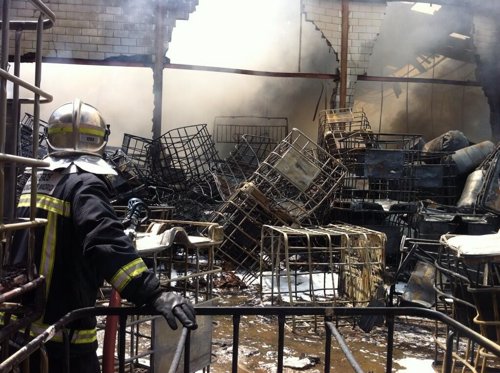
(188, 154)
(299, 176)
(137, 150)
(336, 264)
(228, 130)
(241, 163)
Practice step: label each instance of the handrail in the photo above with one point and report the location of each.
(28, 25)
(327, 312)
(24, 84)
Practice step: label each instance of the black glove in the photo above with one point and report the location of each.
(173, 306)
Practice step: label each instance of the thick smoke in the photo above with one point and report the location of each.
(418, 45)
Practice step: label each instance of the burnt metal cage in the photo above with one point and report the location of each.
(240, 164)
(288, 187)
(228, 130)
(336, 264)
(188, 154)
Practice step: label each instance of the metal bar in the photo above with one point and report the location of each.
(390, 342)
(449, 353)
(236, 312)
(121, 343)
(4, 55)
(187, 352)
(345, 349)
(44, 9)
(23, 225)
(328, 346)
(22, 289)
(4, 74)
(281, 342)
(28, 25)
(236, 338)
(178, 352)
(344, 45)
(401, 79)
(23, 160)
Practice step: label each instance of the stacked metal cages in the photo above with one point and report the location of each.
(468, 276)
(332, 265)
(228, 130)
(387, 174)
(289, 186)
(181, 160)
(241, 162)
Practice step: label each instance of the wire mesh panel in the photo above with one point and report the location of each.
(137, 150)
(392, 167)
(336, 264)
(25, 148)
(242, 217)
(298, 175)
(241, 163)
(188, 154)
(228, 130)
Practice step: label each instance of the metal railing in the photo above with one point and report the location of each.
(329, 314)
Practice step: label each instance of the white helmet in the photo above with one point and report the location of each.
(77, 127)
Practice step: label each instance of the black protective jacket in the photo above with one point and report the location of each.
(82, 244)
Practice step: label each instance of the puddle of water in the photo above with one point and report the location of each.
(414, 346)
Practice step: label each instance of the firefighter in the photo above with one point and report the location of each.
(83, 242)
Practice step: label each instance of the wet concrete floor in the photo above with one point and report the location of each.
(414, 346)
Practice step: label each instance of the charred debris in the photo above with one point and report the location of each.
(369, 208)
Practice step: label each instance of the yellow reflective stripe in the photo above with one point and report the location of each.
(126, 273)
(79, 336)
(84, 130)
(48, 203)
(49, 249)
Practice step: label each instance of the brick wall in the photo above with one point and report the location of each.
(365, 21)
(100, 29)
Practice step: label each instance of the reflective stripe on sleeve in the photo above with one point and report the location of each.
(126, 273)
(48, 203)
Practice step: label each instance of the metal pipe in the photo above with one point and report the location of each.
(447, 363)
(44, 9)
(178, 351)
(22, 289)
(121, 343)
(28, 224)
(23, 160)
(344, 45)
(236, 339)
(4, 74)
(345, 349)
(4, 55)
(281, 342)
(390, 342)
